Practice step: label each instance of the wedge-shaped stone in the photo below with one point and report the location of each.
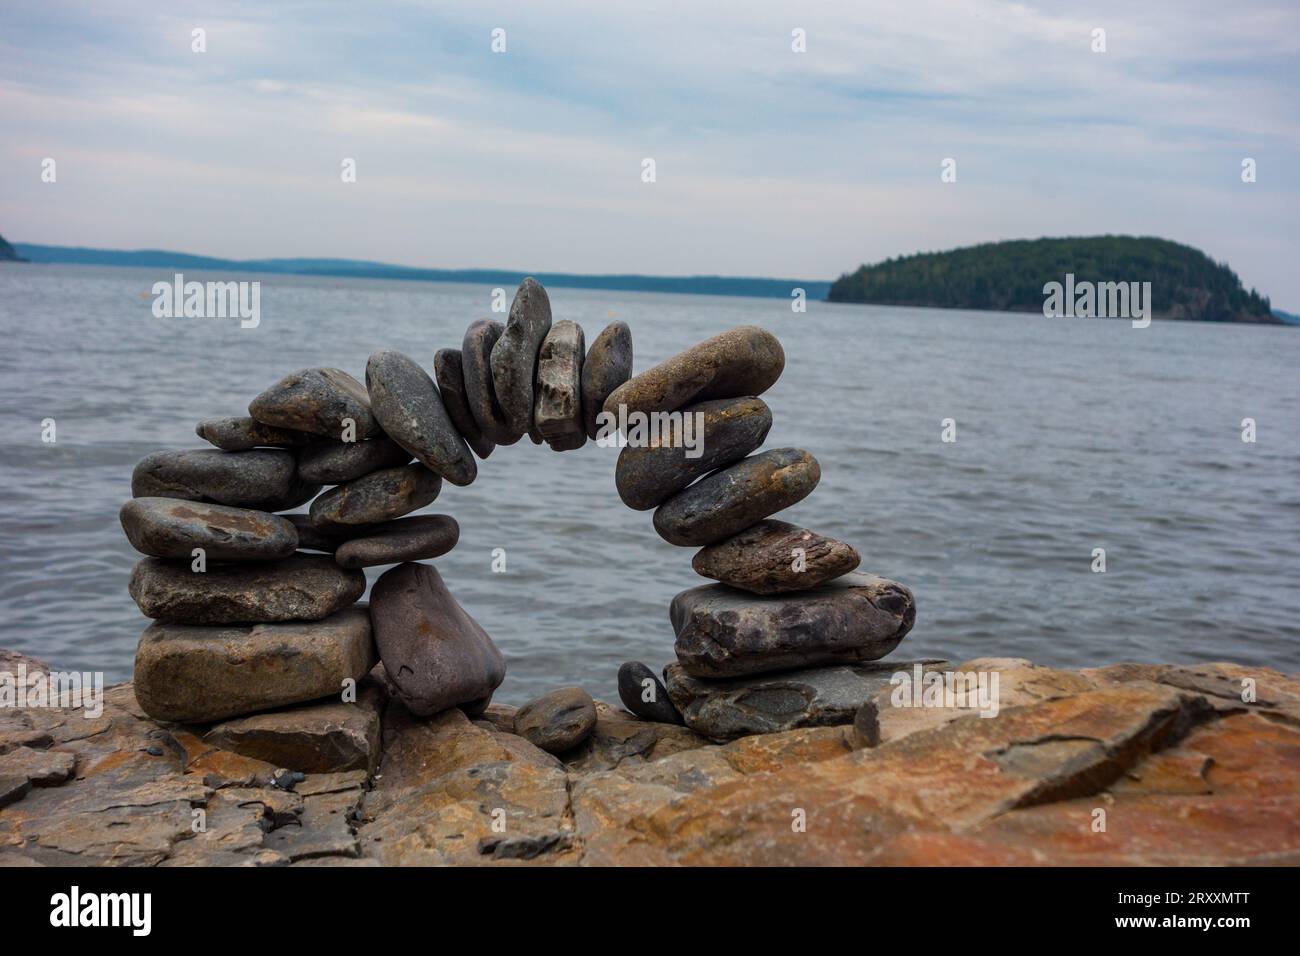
(198, 674)
(607, 366)
(408, 406)
(376, 497)
(557, 408)
(774, 557)
(729, 501)
(172, 528)
(436, 655)
(302, 587)
(742, 361)
(336, 462)
(722, 632)
(706, 436)
(244, 433)
(264, 479)
(514, 356)
(448, 370)
(476, 365)
(645, 695)
(318, 400)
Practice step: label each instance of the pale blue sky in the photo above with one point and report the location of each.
(769, 162)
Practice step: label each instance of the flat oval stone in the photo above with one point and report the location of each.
(193, 674)
(644, 694)
(514, 357)
(173, 528)
(264, 479)
(742, 361)
(334, 462)
(407, 539)
(557, 409)
(376, 497)
(317, 400)
(558, 721)
(242, 434)
(301, 587)
(436, 655)
(409, 408)
(729, 501)
(718, 432)
(722, 632)
(607, 366)
(774, 557)
(476, 366)
(449, 372)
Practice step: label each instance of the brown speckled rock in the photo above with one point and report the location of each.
(647, 474)
(742, 361)
(172, 528)
(558, 721)
(449, 372)
(607, 366)
(302, 587)
(773, 557)
(729, 501)
(334, 462)
(557, 409)
(317, 400)
(243, 434)
(476, 366)
(514, 357)
(376, 497)
(264, 479)
(407, 539)
(409, 408)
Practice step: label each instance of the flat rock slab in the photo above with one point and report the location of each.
(245, 433)
(322, 401)
(377, 497)
(476, 365)
(44, 768)
(742, 361)
(449, 373)
(722, 632)
(302, 587)
(436, 655)
(607, 366)
(729, 501)
(708, 435)
(264, 479)
(171, 528)
(557, 407)
(645, 695)
(514, 356)
(407, 539)
(319, 738)
(335, 462)
(769, 703)
(774, 557)
(199, 674)
(408, 406)
(559, 721)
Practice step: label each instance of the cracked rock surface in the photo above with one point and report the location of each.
(1185, 771)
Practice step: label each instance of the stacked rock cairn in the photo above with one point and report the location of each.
(247, 619)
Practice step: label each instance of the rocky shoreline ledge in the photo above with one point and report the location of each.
(1131, 764)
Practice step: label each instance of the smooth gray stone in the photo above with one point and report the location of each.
(557, 410)
(648, 474)
(607, 366)
(199, 674)
(770, 703)
(264, 479)
(476, 366)
(377, 497)
(407, 539)
(173, 528)
(301, 587)
(409, 408)
(317, 400)
(243, 434)
(435, 655)
(742, 361)
(334, 462)
(559, 721)
(722, 632)
(729, 501)
(514, 357)
(633, 690)
(761, 559)
(449, 372)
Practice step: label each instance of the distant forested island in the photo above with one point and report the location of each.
(1010, 276)
(8, 252)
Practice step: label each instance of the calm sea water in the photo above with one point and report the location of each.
(1071, 435)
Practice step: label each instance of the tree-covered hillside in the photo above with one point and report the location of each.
(1009, 276)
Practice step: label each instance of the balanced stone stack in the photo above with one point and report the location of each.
(789, 636)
